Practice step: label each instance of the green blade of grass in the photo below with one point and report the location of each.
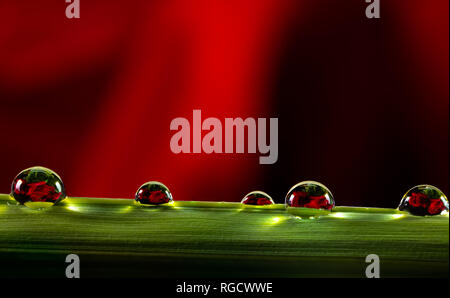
(115, 237)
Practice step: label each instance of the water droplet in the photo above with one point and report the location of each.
(424, 200)
(257, 198)
(310, 194)
(38, 188)
(153, 193)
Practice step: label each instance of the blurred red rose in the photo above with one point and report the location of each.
(418, 199)
(298, 199)
(318, 202)
(42, 192)
(158, 197)
(436, 206)
(263, 201)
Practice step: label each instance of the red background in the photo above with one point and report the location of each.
(362, 103)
